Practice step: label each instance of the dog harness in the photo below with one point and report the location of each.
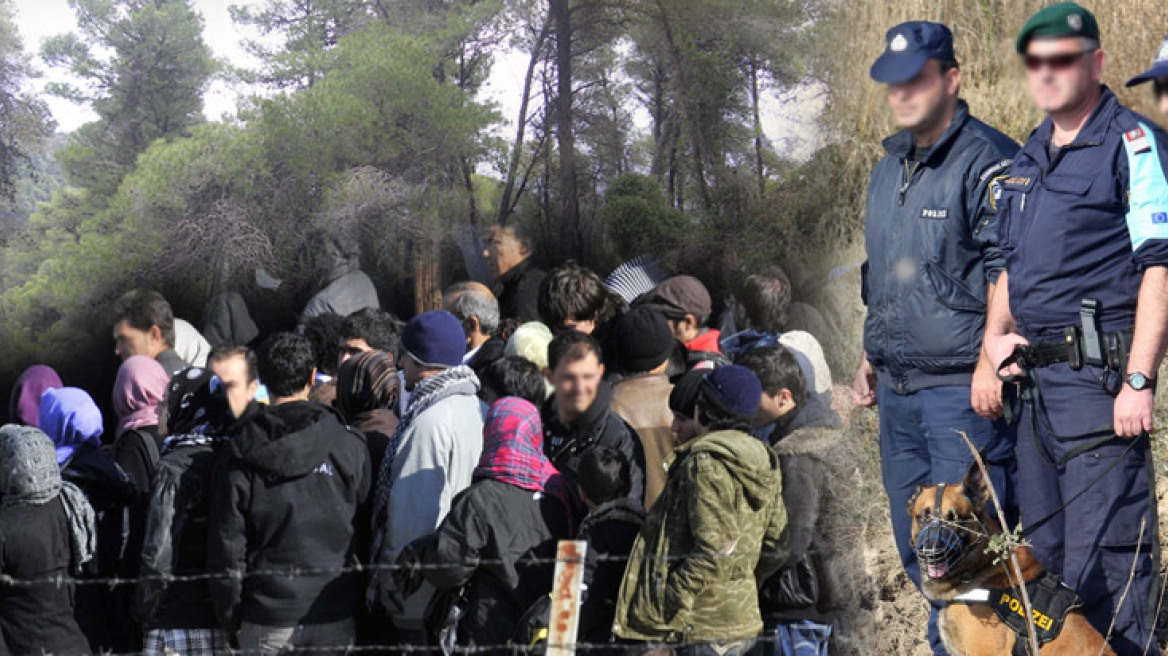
(1050, 599)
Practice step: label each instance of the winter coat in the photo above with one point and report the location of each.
(598, 426)
(610, 531)
(226, 320)
(932, 244)
(35, 543)
(502, 526)
(137, 452)
(176, 542)
(643, 402)
(348, 291)
(286, 498)
(717, 529)
(435, 462)
(518, 292)
(810, 457)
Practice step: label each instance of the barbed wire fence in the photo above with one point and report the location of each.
(633, 647)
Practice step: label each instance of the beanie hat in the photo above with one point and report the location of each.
(435, 339)
(642, 340)
(685, 392)
(734, 390)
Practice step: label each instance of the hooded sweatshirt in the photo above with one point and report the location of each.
(718, 528)
(284, 498)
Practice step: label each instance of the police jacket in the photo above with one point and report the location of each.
(931, 236)
(1086, 223)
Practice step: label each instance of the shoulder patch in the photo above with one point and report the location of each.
(996, 188)
(1147, 188)
(994, 169)
(1136, 141)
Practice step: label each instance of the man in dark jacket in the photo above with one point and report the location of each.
(578, 417)
(517, 279)
(286, 499)
(933, 256)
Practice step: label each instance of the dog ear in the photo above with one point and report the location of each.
(976, 486)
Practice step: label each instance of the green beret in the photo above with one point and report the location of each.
(1062, 19)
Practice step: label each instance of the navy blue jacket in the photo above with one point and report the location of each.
(931, 235)
(1087, 224)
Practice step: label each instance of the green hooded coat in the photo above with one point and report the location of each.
(716, 531)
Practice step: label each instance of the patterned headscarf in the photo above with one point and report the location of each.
(70, 418)
(197, 410)
(29, 476)
(24, 408)
(138, 392)
(366, 382)
(513, 446)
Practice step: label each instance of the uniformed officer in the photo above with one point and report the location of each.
(932, 249)
(1083, 223)
(1158, 75)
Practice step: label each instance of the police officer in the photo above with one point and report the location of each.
(1158, 75)
(1083, 223)
(932, 250)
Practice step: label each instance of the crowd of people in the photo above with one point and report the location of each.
(365, 481)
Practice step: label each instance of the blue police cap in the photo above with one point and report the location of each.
(1159, 67)
(909, 46)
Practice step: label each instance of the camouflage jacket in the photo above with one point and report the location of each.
(718, 528)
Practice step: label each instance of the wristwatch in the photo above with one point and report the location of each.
(1140, 382)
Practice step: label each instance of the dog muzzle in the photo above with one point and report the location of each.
(939, 545)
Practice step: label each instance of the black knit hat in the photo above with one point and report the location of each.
(641, 340)
(685, 392)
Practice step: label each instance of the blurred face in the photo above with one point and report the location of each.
(129, 341)
(353, 347)
(1062, 74)
(240, 391)
(576, 383)
(503, 251)
(684, 428)
(922, 103)
(1160, 88)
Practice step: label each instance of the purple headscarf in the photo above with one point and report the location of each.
(138, 391)
(70, 418)
(24, 408)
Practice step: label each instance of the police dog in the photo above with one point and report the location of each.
(951, 530)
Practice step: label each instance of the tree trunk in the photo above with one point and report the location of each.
(505, 204)
(569, 229)
(427, 279)
(754, 101)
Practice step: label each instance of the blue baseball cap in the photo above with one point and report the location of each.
(908, 47)
(1159, 67)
